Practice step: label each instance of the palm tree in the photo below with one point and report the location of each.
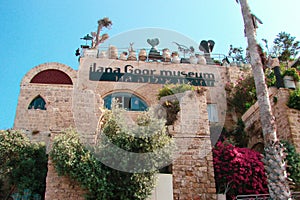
(274, 159)
(105, 22)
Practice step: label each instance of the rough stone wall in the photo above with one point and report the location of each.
(231, 76)
(58, 113)
(58, 98)
(78, 105)
(294, 122)
(193, 174)
(287, 119)
(61, 187)
(88, 95)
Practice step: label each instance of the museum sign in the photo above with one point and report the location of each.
(129, 73)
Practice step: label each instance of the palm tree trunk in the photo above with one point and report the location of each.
(100, 26)
(274, 159)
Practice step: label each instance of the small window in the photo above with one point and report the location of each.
(37, 103)
(126, 101)
(212, 113)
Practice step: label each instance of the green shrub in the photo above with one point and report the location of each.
(23, 162)
(270, 77)
(174, 89)
(242, 96)
(291, 72)
(293, 163)
(294, 99)
(85, 164)
(72, 159)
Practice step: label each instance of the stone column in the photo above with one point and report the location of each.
(193, 174)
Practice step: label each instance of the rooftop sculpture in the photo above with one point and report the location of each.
(154, 54)
(207, 47)
(184, 49)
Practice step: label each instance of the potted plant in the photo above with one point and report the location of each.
(290, 76)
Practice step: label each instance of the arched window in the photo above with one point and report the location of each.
(127, 101)
(52, 76)
(37, 103)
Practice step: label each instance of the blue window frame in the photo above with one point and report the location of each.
(126, 101)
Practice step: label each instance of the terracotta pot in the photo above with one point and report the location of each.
(132, 56)
(142, 55)
(166, 55)
(193, 59)
(123, 56)
(175, 59)
(112, 52)
(201, 60)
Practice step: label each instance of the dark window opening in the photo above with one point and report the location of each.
(52, 76)
(126, 101)
(259, 147)
(37, 103)
(166, 169)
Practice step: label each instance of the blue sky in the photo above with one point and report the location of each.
(38, 31)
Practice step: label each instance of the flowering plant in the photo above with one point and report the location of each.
(240, 170)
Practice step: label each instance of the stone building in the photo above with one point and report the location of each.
(287, 121)
(54, 97)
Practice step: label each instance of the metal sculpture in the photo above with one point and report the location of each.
(154, 54)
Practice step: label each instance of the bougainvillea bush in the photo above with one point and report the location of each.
(238, 170)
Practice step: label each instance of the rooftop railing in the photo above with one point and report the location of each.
(145, 54)
(295, 195)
